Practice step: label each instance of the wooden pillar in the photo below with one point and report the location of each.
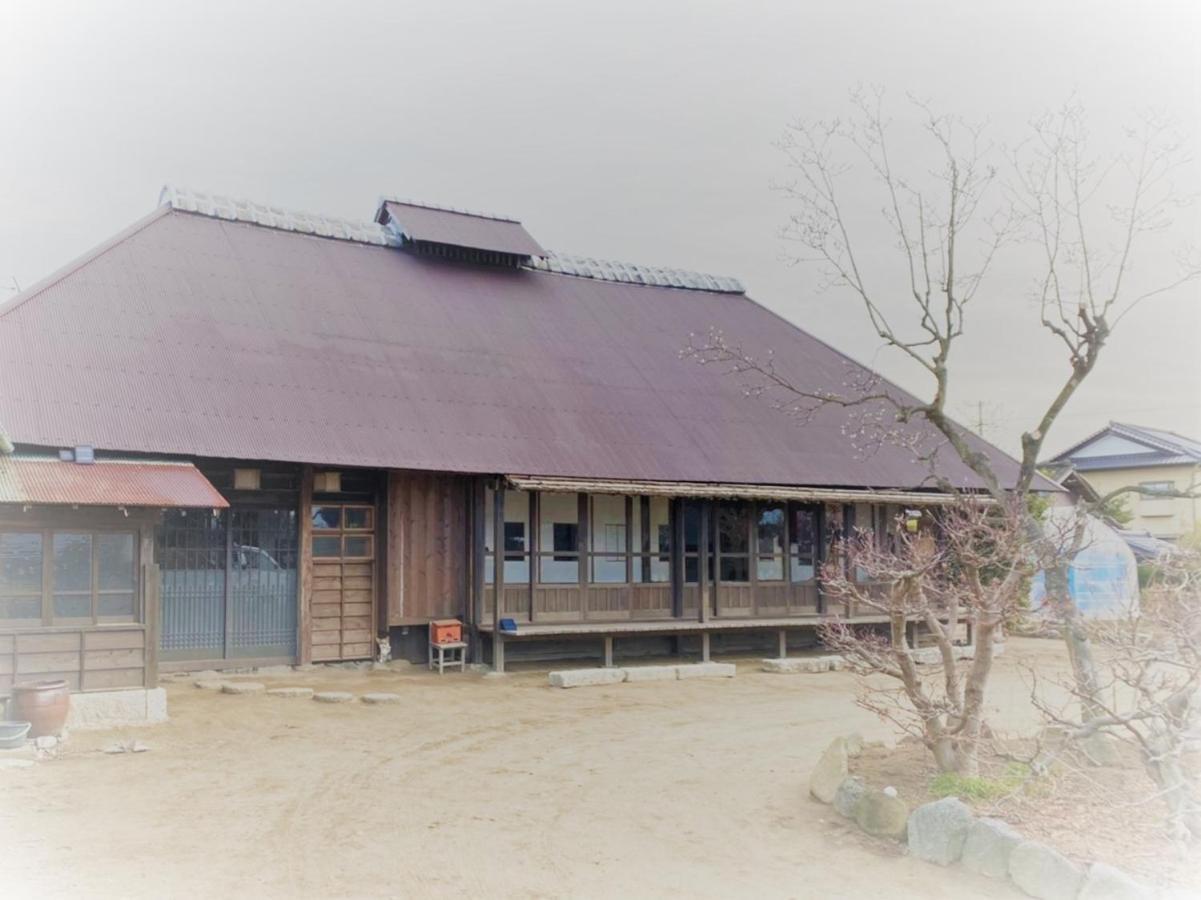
(498, 652)
(705, 647)
(702, 569)
(498, 560)
(304, 618)
(476, 489)
(752, 560)
(608, 651)
(151, 606)
(535, 513)
(582, 544)
(783, 638)
(676, 557)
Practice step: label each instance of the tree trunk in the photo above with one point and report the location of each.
(1075, 634)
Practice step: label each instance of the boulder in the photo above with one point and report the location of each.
(988, 846)
(881, 815)
(379, 698)
(937, 830)
(854, 744)
(209, 684)
(848, 795)
(829, 772)
(1044, 873)
(1103, 882)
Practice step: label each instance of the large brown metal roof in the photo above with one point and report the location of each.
(195, 335)
(47, 481)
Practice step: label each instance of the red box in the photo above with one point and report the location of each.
(446, 631)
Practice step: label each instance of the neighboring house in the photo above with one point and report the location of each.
(387, 408)
(1153, 461)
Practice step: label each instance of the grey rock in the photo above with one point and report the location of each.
(46, 742)
(706, 670)
(243, 687)
(890, 791)
(291, 693)
(209, 684)
(881, 815)
(988, 846)
(1044, 873)
(854, 744)
(848, 795)
(573, 678)
(651, 673)
(937, 830)
(1103, 882)
(376, 699)
(829, 772)
(113, 748)
(138, 747)
(333, 697)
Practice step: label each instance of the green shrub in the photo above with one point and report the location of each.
(977, 788)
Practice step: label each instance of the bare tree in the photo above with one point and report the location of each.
(966, 571)
(948, 229)
(1148, 690)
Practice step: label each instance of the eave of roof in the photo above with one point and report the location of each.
(46, 481)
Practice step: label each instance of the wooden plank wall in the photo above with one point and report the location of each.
(92, 658)
(428, 556)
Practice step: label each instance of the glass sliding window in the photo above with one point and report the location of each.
(733, 536)
(652, 540)
(20, 576)
(769, 544)
(116, 578)
(692, 512)
(516, 536)
(72, 561)
(803, 544)
(558, 539)
(607, 539)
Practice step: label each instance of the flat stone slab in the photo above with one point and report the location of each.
(573, 678)
(652, 673)
(243, 687)
(333, 696)
(295, 693)
(379, 698)
(209, 684)
(796, 665)
(706, 670)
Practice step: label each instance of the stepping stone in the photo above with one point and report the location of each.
(299, 693)
(333, 697)
(243, 687)
(380, 698)
(209, 684)
(15, 763)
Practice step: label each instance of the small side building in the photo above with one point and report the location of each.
(79, 583)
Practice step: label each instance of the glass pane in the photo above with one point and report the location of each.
(608, 538)
(517, 511)
(72, 562)
(514, 537)
(770, 568)
(117, 603)
(803, 548)
(691, 567)
(649, 570)
(327, 518)
(20, 607)
(20, 563)
(327, 546)
(660, 529)
(770, 531)
(558, 536)
(357, 547)
(692, 526)
(358, 518)
(517, 571)
(115, 559)
(73, 606)
(558, 569)
(732, 527)
(735, 568)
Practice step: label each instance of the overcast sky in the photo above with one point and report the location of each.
(640, 131)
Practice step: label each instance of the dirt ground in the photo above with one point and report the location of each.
(473, 786)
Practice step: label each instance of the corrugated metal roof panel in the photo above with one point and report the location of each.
(458, 228)
(201, 336)
(48, 481)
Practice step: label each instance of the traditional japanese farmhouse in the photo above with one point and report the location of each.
(353, 428)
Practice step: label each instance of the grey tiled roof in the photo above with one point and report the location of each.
(609, 270)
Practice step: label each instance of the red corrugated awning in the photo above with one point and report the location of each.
(49, 481)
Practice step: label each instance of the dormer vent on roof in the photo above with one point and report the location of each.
(458, 235)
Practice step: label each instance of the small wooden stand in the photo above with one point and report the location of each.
(451, 653)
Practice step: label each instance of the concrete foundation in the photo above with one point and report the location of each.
(112, 709)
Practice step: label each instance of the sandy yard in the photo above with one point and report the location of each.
(472, 786)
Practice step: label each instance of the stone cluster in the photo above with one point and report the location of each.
(945, 832)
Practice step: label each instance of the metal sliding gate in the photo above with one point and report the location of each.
(229, 583)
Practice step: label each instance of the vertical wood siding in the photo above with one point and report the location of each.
(428, 562)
